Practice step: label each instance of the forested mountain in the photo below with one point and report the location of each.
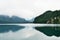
(13, 19)
(52, 17)
(49, 17)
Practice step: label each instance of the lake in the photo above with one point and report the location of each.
(28, 31)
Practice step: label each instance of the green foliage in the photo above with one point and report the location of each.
(48, 16)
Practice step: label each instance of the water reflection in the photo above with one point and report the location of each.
(29, 32)
(7, 28)
(49, 31)
(19, 35)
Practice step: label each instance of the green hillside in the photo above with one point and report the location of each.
(52, 17)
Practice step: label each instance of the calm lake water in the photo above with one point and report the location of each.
(26, 32)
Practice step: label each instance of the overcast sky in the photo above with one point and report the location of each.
(27, 8)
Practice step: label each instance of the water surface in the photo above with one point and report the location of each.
(29, 32)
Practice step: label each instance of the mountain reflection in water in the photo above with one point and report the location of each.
(49, 31)
(7, 28)
(29, 32)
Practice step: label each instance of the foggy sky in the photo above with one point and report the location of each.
(27, 9)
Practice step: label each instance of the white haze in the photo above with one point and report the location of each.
(27, 9)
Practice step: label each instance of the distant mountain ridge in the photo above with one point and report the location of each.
(13, 19)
